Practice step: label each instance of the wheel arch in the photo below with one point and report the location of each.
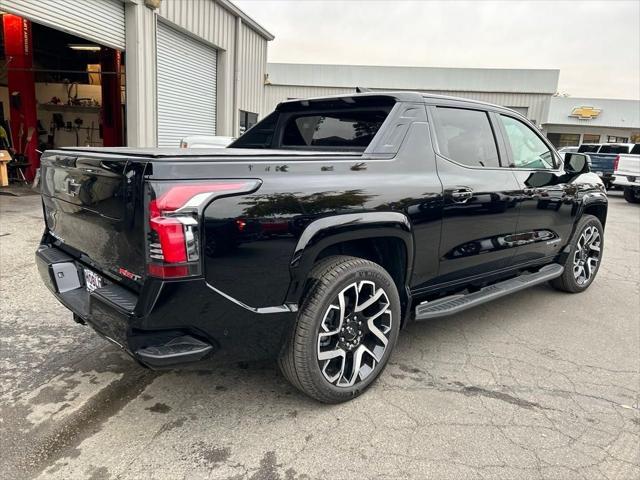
(385, 238)
(596, 206)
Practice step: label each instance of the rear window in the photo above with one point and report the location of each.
(345, 129)
(588, 148)
(614, 149)
(340, 123)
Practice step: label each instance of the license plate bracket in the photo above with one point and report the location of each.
(92, 280)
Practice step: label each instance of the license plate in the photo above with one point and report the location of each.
(92, 280)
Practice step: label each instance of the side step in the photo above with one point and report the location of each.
(177, 350)
(457, 303)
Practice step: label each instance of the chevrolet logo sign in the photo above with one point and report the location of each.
(585, 113)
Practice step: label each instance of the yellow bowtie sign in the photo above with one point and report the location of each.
(585, 113)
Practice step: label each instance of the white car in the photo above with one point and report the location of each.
(205, 141)
(627, 174)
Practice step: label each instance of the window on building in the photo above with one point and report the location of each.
(614, 139)
(247, 120)
(560, 140)
(527, 148)
(590, 138)
(465, 136)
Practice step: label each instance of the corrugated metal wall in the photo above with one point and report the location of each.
(100, 21)
(253, 65)
(140, 23)
(209, 21)
(538, 104)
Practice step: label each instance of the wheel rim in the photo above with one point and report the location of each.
(587, 255)
(354, 333)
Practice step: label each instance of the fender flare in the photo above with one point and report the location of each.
(327, 231)
(589, 199)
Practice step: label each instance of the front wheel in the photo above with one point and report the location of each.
(585, 256)
(346, 329)
(632, 195)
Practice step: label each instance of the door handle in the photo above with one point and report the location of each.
(461, 195)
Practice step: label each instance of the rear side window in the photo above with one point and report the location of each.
(346, 129)
(466, 137)
(260, 136)
(635, 150)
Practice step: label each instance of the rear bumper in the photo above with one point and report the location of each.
(167, 323)
(626, 180)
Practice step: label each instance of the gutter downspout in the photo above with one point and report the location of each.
(235, 130)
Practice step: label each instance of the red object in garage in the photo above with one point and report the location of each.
(111, 114)
(18, 49)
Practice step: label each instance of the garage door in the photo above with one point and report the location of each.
(100, 21)
(186, 87)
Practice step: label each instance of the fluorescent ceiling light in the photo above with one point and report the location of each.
(84, 46)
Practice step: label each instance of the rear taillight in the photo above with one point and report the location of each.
(616, 162)
(174, 214)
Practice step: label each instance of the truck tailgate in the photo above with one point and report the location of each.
(602, 162)
(93, 208)
(629, 165)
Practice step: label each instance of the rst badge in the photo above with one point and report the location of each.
(127, 274)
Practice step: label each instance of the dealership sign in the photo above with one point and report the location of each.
(585, 113)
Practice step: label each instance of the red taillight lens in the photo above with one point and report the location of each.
(616, 162)
(172, 240)
(175, 210)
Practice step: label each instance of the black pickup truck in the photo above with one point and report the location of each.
(317, 235)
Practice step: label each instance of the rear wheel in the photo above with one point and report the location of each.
(584, 258)
(346, 329)
(632, 195)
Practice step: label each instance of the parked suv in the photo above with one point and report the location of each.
(317, 235)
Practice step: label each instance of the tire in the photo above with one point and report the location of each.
(319, 332)
(630, 195)
(585, 256)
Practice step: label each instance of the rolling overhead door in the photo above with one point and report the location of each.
(100, 21)
(186, 87)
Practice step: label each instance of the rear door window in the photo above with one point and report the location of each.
(465, 136)
(347, 129)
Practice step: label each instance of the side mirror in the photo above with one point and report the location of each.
(577, 163)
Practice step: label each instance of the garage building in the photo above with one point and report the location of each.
(127, 72)
(526, 91)
(574, 121)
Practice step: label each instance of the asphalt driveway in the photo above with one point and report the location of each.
(537, 385)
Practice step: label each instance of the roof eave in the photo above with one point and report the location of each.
(235, 10)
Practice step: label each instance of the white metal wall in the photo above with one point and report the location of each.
(537, 103)
(215, 24)
(101, 21)
(252, 67)
(211, 21)
(186, 80)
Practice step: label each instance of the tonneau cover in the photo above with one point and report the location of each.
(202, 152)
